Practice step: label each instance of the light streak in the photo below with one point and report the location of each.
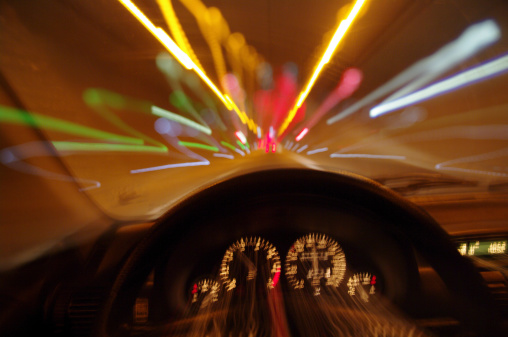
(164, 167)
(475, 158)
(229, 146)
(276, 278)
(363, 155)
(198, 146)
(337, 37)
(324, 149)
(302, 148)
(241, 137)
(301, 134)
(241, 145)
(160, 34)
(222, 155)
(259, 132)
(15, 116)
(105, 102)
(169, 14)
(240, 152)
(462, 79)
(183, 58)
(295, 147)
(14, 157)
(179, 119)
(102, 147)
(474, 39)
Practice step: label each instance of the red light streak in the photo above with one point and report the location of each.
(276, 277)
(349, 83)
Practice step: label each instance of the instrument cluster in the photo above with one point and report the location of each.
(315, 265)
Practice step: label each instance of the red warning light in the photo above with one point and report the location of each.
(373, 281)
(195, 288)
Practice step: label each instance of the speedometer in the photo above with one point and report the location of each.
(250, 259)
(313, 261)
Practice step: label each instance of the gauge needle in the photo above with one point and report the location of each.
(248, 263)
(315, 263)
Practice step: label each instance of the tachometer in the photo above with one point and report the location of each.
(314, 261)
(249, 259)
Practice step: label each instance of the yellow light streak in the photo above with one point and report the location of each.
(332, 46)
(185, 60)
(159, 34)
(169, 14)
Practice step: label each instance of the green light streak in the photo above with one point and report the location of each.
(105, 147)
(179, 119)
(15, 116)
(103, 101)
(229, 146)
(199, 146)
(240, 144)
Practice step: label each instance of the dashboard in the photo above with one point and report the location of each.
(286, 252)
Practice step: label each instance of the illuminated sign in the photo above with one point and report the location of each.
(476, 248)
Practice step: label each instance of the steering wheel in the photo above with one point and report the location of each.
(475, 307)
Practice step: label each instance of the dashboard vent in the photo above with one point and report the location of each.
(74, 312)
(498, 287)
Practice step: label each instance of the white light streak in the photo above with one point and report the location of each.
(324, 149)
(363, 155)
(462, 79)
(474, 39)
(240, 152)
(241, 137)
(302, 148)
(302, 134)
(476, 158)
(222, 155)
(164, 167)
(179, 119)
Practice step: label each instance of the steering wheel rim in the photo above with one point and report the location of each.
(423, 231)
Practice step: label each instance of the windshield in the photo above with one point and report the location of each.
(127, 106)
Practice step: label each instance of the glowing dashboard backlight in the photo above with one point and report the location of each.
(478, 248)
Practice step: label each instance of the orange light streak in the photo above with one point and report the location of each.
(185, 60)
(332, 46)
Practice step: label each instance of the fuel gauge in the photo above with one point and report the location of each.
(362, 285)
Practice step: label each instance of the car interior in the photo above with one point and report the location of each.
(254, 168)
